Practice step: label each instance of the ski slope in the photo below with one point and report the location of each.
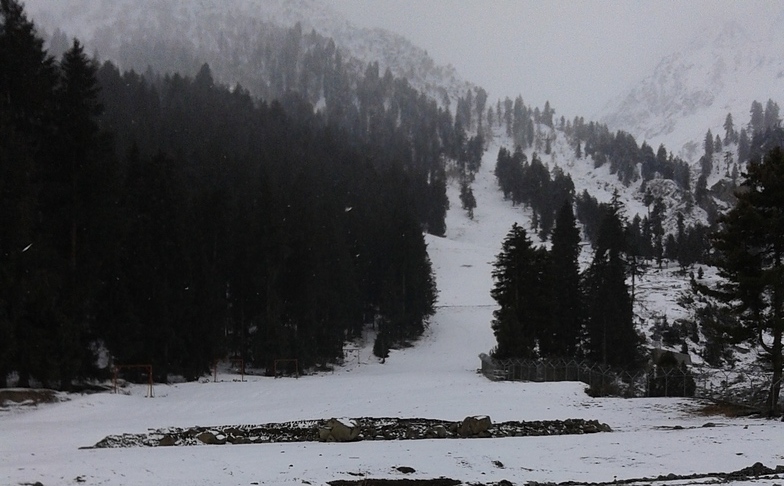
(436, 378)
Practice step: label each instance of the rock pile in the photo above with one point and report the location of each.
(347, 430)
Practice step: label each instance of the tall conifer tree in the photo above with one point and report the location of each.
(612, 339)
(519, 321)
(750, 251)
(564, 334)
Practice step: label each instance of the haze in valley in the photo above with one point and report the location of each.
(576, 54)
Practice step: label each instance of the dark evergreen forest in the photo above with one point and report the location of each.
(548, 309)
(166, 219)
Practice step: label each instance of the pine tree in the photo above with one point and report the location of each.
(27, 81)
(519, 124)
(480, 100)
(518, 273)
(757, 121)
(657, 229)
(708, 145)
(661, 157)
(29, 74)
(435, 221)
(729, 130)
(547, 115)
(37, 300)
(701, 190)
(78, 108)
(467, 198)
(750, 246)
(680, 238)
(671, 247)
(508, 116)
(771, 116)
(77, 180)
(509, 173)
(564, 333)
(612, 339)
(744, 146)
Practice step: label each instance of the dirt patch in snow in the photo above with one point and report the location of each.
(27, 396)
(751, 473)
(728, 410)
(397, 482)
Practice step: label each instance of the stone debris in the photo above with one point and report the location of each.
(349, 430)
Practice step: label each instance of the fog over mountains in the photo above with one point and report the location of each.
(721, 71)
(165, 36)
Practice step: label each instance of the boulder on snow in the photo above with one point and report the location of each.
(211, 439)
(474, 426)
(167, 440)
(438, 431)
(339, 431)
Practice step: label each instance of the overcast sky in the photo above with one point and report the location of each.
(575, 53)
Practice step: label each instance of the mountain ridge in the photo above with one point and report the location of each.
(693, 89)
(673, 106)
(214, 31)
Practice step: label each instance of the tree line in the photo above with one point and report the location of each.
(531, 184)
(543, 191)
(549, 309)
(169, 220)
(746, 305)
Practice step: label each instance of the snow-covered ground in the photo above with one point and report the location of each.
(437, 378)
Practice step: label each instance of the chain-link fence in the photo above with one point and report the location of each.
(747, 386)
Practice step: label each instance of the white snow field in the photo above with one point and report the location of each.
(437, 378)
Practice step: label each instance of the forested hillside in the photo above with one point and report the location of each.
(166, 219)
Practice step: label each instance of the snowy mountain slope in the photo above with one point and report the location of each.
(657, 290)
(692, 90)
(436, 378)
(198, 22)
(216, 30)
(602, 184)
(219, 31)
